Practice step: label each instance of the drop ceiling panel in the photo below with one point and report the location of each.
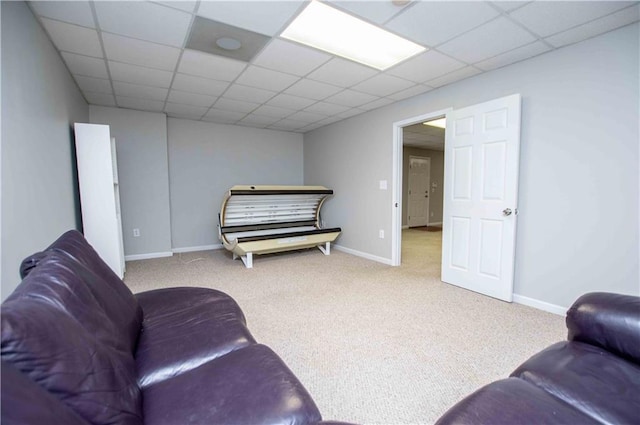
(312, 89)
(140, 91)
(235, 105)
(596, 27)
(220, 115)
(383, 85)
(187, 6)
(138, 52)
(291, 102)
(273, 111)
(72, 38)
(410, 92)
(550, 17)
(498, 36)
(291, 58)
(435, 22)
(351, 98)
(248, 94)
(185, 111)
(201, 85)
(264, 17)
(258, 120)
(139, 75)
(73, 12)
(374, 11)
(210, 66)
(307, 117)
(509, 5)
(101, 99)
(460, 74)
(144, 20)
(327, 108)
(186, 98)
(255, 76)
(85, 65)
(140, 104)
(512, 56)
(288, 125)
(384, 101)
(426, 66)
(96, 85)
(342, 73)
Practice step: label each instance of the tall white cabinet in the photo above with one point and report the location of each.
(99, 193)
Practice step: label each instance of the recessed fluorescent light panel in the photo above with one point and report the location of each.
(440, 122)
(339, 33)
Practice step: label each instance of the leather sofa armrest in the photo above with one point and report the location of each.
(610, 321)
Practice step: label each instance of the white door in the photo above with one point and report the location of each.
(418, 187)
(482, 151)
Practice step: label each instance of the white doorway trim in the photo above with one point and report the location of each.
(396, 206)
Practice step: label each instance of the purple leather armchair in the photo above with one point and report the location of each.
(79, 348)
(593, 378)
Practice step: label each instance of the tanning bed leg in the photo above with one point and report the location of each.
(247, 260)
(326, 250)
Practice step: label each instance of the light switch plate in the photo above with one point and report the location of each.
(383, 185)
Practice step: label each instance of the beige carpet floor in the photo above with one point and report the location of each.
(371, 343)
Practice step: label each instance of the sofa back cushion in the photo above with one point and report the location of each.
(110, 292)
(56, 332)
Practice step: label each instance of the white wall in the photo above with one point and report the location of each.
(206, 159)
(40, 102)
(578, 223)
(143, 172)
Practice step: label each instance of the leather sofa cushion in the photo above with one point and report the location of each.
(184, 328)
(43, 341)
(247, 386)
(610, 321)
(111, 293)
(592, 380)
(25, 402)
(512, 401)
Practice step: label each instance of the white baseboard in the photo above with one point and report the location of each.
(197, 248)
(147, 256)
(363, 255)
(437, 223)
(540, 305)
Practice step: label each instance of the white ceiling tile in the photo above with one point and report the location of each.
(264, 17)
(326, 108)
(194, 84)
(410, 92)
(288, 125)
(72, 38)
(513, 56)
(508, 6)
(374, 11)
(187, 6)
(144, 20)
(139, 91)
(454, 76)
(351, 98)
(248, 94)
(596, 27)
(290, 102)
(192, 99)
(140, 104)
(210, 66)
(139, 75)
(425, 66)
(491, 39)
(383, 85)
(74, 12)
(258, 120)
(376, 104)
(290, 57)
(351, 113)
(185, 111)
(255, 76)
(85, 65)
(235, 105)
(138, 52)
(312, 89)
(307, 117)
(434, 22)
(273, 111)
(341, 72)
(550, 17)
(102, 99)
(220, 115)
(96, 85)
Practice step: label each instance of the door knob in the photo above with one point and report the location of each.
(506, 212)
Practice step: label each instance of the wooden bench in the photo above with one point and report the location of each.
(267, 219)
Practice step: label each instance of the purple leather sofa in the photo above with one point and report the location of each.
(79, 348)
(593, 378)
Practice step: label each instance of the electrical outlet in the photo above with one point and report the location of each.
(136, 233)
(381, 234)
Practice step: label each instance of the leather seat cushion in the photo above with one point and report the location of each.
(184, 328)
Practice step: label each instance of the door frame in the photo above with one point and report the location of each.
(428, 159)
(396, 185)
